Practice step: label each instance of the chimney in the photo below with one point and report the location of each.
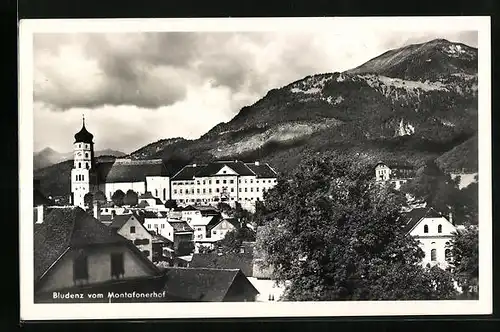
(257, 163)
(39, 214)
(450, 218)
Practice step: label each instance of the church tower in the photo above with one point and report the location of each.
(83, 153)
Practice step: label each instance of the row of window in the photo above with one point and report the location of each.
(80, 177)
(216, 199)
(439, 228)
(87, 165)
(84, 146)
(217, 190)
(81, 267)
(198, 182)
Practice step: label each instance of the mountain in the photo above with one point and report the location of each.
(410, 104)
(49, 156)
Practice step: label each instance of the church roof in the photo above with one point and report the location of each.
(126, 170)
(189, 172)
(413, 217)
(83, 136)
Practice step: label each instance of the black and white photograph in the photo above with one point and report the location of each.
(171, 165)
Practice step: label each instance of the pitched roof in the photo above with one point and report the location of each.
(243, 262)
(199, 284)
(262, 170)
(189, 172)
(119, 220)
(158, 238)
(146, 195)
(180, 226)
(64, 228)
(126, 170)
(412, 217)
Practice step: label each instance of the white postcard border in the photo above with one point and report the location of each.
(32, 311)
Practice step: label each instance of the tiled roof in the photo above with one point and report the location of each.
(125, 170)
(412, 217)
(180, 226)
(64, 228)
(262, 170)
(157, 238)
(146, 195)
(243, 262)
(187, 173)
(198, 284)
(119, 220)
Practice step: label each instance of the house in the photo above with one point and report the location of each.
(76, 254)
(434, 233)
(396, 174)
(162, 248)
(249, 264)
(223, 181)
(175, 230)
(218, 230)
(149, 202)
(208, 285)
(90, 176)
(132, 229)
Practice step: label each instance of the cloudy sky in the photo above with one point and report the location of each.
(136, 88)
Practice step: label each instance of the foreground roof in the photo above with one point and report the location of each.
(64, 228)
(243, 262)
(199, 284)
(412, 217)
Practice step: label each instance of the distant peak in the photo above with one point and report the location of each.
(47, 150)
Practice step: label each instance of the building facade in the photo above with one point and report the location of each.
(89, 176)
(228, 182)
(394, 174)
(434, 233)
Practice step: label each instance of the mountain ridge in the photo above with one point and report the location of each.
(420, 113)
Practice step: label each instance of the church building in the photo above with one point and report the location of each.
(90, 176)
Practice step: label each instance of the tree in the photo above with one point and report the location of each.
(131, 198)
(171, 204)
(88, 200)
(335, 235)
(465, 259)
(118, 197)
(100, 197)
(224, 207)
(233, 240)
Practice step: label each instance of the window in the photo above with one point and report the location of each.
(224, 181)
(209, 181)
(204, 190)
(87, 165)
(433, 255)
(447, 254)
(80, 268)
(132, 229)
(231, 181)
(197, 182)
(224, 172)
(246, 189)
(257, 189)
(232, 190)
(251, 181)
(83, 177)
(164, 193)
(209, 190)
(175, 191)
(117, 266)
(156, 192)
(203, 181)
(216, 190)
(269, 181)
(426, 229)
(240, 189)
(146, 253)
(192, 191)
(79, 165)
(180, 191)
(197, 191)
(149, 226)
(216, 181)
(251, 190)
(440, 228)
(86, 154)
(214, 232)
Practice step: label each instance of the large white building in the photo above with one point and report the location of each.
(223, 181)
(395, 174)
(434, 233)
(87, 175)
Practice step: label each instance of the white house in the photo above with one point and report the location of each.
(393, 173)
(223, 181)
(219, 229)
(130, 228)
(434, 233)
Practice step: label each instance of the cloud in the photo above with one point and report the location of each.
(165, 84)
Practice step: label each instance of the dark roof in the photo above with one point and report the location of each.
(83, 136)
(187, 172)
(180, 226)
(119, 220)
(198, 284)
(158, 238)
(262, 170)
(64, 228)
(126, 170)
(158, 201)
(146, 195)
(412, 217)
(217, 220)
(243, 262)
